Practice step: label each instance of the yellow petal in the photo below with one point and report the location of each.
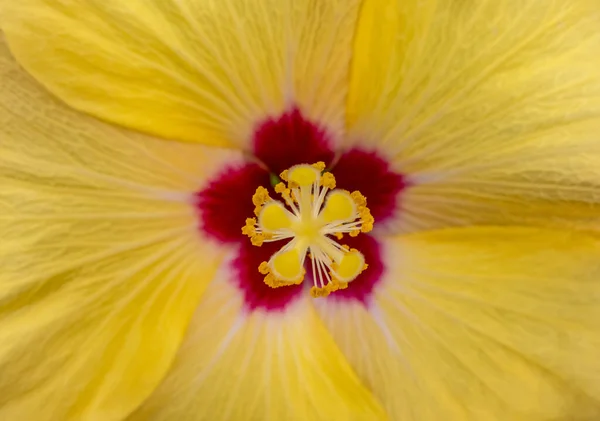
(102, 262)
(487, 324)
(258, 367)
(563, 192)
(202, 71)
(503, 95)
(451, 80)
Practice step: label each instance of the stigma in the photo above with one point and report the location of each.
(312, 219)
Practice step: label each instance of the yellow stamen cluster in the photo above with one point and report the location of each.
(363, 212)
(328, 180)
(257, 239)
(312, 214)
(260, 198)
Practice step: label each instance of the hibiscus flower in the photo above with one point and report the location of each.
(266, 210)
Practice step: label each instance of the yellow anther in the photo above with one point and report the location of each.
(319, 165)
(257, 240)
(367, 227)
(367, 220)
(359, 199)
(340, 285)
(328, 180)
(250, 228)
(273, 282)
(336, 284)
(317, 292)
(280, 188)
(261, 196)
(311, 220)
(264, 268)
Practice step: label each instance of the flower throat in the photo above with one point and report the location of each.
(312, 214)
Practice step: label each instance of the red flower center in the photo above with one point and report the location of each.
(280, 144)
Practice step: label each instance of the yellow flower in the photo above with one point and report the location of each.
(465, 133)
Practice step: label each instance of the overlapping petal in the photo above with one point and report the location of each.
(534, 192)
(491, 108)
(202, 71)
(258, 366)
(102, 262)
(486, 324)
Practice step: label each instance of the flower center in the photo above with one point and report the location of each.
(312, 214)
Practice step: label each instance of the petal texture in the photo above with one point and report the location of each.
(202, 71)
(102, 261)
(538, 192)
(258, 366)
(480, 324)
(484, 105)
